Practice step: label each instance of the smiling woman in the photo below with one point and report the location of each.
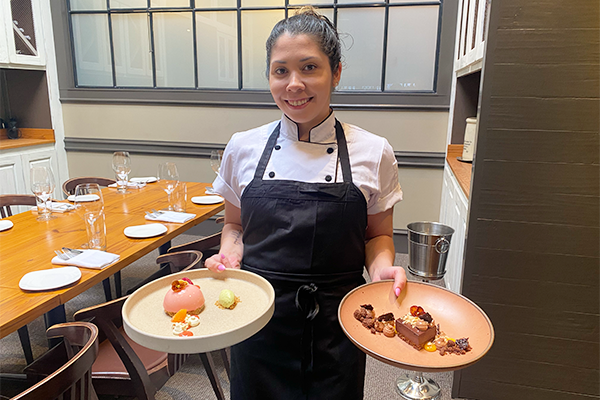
(308, 205)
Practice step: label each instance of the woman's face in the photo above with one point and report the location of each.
(301, 80)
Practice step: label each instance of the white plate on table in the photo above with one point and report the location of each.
(145, 231)
(207, 199)
(5, 224)
(149, 179)
(48, 279)
(84, 197)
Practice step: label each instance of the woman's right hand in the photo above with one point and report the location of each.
(219, 262)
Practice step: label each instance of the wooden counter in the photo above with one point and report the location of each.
(462, 170)
(29, 137)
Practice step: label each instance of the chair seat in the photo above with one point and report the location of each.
(109, 365)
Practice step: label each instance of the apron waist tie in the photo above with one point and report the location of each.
(306, 303)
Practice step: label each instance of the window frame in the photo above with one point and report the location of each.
(437, 99)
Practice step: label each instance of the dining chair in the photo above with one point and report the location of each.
(8, 200)
(125, 368)
(63, 372)
(208, 245)
(68, 187)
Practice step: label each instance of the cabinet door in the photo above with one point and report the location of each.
(4, 11)
(11, 175)
(36, 158)
(23, 31)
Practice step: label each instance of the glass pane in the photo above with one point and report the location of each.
(256, 27)
(263, 3)
(23, 29)
(412, 44)
(170, 3)
(359, 1)
(132, 50)
(128, 4)
(410, 1)
(92, 52)
(312, 2)
(215, 3)
(174, 49)
(86, 5)
(361, 32)
(217, 49)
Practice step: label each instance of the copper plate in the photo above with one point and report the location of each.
(458, 317)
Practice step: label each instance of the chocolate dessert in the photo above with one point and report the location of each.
(416, 328)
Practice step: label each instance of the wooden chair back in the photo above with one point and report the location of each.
(8, 200)
(69, 186)
(71, 379)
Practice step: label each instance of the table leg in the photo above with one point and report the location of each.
(118, 290)
(55, 316)
(164, 248)
(26, 344)
(107, 289)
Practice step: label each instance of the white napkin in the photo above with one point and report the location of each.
(147, 179)
(171, 216)
(130, 184)
(94, 259)
(57, 207)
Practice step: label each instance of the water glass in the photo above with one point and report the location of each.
(42, 186)
(215, 163)
(90, 207)
(168, 177)
(180, 197)
(121, 164)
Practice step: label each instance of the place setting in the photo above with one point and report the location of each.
(210, 196)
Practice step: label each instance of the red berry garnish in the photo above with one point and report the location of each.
(188, 280)
(186, 333)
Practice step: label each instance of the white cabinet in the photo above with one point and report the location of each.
(471, 34)
(21, 38)
(453, 213)
(15, 165)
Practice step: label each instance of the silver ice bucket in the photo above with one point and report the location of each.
(428, 245)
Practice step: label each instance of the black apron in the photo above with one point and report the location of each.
(308, 241)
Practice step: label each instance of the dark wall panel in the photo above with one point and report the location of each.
(532, 254)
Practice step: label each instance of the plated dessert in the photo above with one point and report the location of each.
(184, 301)
(417, 328)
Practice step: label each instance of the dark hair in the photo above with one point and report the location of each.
(309, 22)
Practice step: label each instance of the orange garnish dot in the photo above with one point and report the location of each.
(186, 333)
(179, 315)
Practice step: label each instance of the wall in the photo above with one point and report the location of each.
(532, 251)
(407, 131)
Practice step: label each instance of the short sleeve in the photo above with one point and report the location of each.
(225, 183)
(389, 192)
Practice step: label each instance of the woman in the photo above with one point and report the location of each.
(308, 204)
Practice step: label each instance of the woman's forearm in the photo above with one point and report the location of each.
(231, 243)
(379, 253)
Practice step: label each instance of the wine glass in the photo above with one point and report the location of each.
(42, 185)
(215, 163)
(168, 178)
(121, 164)
(89, 205)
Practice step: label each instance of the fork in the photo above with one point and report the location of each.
(63, 255)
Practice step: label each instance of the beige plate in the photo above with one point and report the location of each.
(458, 317)
(146, 322)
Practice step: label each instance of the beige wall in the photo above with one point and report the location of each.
(406, 131)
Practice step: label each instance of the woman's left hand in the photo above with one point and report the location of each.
(396, 273)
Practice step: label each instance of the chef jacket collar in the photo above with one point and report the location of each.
(322, 133)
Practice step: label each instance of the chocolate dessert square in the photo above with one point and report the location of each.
(414, 336)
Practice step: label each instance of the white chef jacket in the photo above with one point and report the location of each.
(372, 160)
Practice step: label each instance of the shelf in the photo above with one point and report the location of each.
(462, 170)
(29, 137)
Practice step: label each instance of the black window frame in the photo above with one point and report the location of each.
(437, 99)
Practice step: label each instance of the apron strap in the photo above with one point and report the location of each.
(266, 155)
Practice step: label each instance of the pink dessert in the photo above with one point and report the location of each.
(183, 294)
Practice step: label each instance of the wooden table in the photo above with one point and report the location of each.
(29, 246)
